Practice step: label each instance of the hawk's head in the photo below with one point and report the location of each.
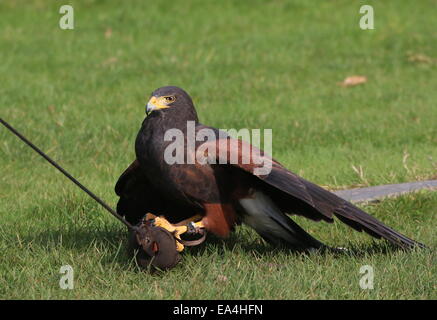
(172, 100)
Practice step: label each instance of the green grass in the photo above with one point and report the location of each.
(258, 64)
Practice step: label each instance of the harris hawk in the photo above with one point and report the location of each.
(219, 193)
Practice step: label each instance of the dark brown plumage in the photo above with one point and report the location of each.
(226, 194)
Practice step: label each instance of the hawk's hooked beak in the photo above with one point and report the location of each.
(155, 104)
(150, 107)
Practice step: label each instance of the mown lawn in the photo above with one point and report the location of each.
(79, 95)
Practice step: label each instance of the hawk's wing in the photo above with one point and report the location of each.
(134, 192)
(138, 196)
(295, 195)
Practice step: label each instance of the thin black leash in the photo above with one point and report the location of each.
(69, 176)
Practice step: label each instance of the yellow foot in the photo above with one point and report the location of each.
(177, 230)
(149, 216)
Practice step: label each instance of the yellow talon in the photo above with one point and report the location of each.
(149, 216)
(176, 230)
(199, 224)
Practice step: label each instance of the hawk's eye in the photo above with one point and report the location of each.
(169, 99)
